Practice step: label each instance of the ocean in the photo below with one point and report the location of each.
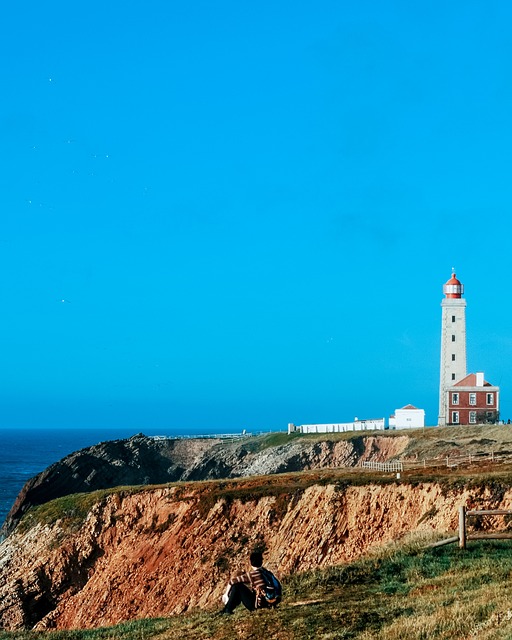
(26, 452)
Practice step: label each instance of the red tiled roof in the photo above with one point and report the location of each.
(410, 407)
(470, 381)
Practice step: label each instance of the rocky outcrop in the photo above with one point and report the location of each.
(137, 460)
(143, 460)
(165, 550)
(238, 460)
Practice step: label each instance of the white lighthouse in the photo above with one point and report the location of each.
(453, 342)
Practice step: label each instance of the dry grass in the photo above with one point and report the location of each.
(400, 593)
(403, 592)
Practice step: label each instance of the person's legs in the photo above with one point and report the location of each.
(240, 593)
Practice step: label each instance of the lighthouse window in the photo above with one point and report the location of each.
(453, 376)
(453, 337)
(453, 318)
(490, 398)
(453, 357)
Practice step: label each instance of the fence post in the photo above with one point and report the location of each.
(462, 527)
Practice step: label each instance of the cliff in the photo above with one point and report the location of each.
(134, 461)
(163, 550)
(142, 460)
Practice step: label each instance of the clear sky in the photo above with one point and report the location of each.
(227, 215)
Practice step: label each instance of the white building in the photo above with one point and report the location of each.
(339, 427)
(408, 417)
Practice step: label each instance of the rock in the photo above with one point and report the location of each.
(166, 550)
(144, 460)
(134, 461)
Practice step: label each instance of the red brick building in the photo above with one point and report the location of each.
(472, 400)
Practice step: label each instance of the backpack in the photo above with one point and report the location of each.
(272, 591)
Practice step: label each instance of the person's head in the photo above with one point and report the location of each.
(256, 559)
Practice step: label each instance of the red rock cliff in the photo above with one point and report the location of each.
(165, 550)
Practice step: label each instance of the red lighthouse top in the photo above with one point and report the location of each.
(453, 288)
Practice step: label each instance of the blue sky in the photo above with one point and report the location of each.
(249, 208)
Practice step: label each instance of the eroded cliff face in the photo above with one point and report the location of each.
(165, 550)
(136, 460)
(142, 460)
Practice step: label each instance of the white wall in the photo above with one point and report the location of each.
(340, 427)
(409, 418)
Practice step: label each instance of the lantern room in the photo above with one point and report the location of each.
(453, 288)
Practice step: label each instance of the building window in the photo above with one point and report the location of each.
(472, 417)
(455, 398)
(453, 318)
(490, 398)
(472, 399)
(453, 376)
(453, 337)
(455, 417)
(453, 357)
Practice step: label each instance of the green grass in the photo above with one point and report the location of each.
(404, 593)
(135, 630)
(280, 438)
(267, 441)
(428, 440)
(429, 443)
(73, 509)
(399, 593)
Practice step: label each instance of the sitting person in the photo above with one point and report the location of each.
(248, 588)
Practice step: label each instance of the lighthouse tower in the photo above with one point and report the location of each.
(453, 342)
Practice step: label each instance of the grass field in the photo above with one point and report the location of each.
(402, 593)
(406, 592)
